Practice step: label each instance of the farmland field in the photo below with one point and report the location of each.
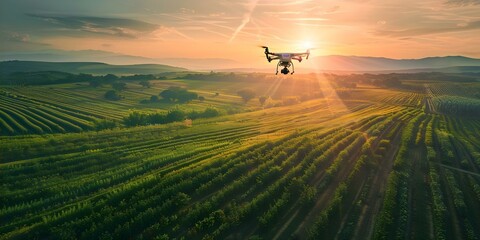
(317, 161)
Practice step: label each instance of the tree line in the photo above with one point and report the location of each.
(174, 115)
(57, 77)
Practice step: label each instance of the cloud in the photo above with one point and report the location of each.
(462, 2)
(246, 18)
(284, 2)
(187, 11)
(18, 37)
(163, 31)
(305, 19)
(18, 41)
(427, 31)
(118, 27)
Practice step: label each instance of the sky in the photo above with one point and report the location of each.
(234, 29)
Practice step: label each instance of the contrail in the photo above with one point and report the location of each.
(246, 19)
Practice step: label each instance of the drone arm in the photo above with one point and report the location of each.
(305, 54)
(298, 58)
(272, 58)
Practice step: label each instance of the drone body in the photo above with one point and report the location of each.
(285, 59)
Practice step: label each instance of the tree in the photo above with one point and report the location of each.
(145, 84)
(262, 99)
(246, 94)
(186, 96)
(109, 78)
(112, 95)
(168, 95)
(178, 94)
(201, 98)
(119, 86)
(105, 124)
(210, 112)
(135, 119)
(175, 115)
(154, 98)
(95, 83)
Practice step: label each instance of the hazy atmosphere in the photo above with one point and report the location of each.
(233, 29)
(249, 120)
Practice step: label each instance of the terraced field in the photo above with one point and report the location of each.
(76, 107)
(375, 163)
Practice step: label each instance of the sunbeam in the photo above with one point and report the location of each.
(334, 102)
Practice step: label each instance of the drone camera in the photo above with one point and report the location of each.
(285, 71)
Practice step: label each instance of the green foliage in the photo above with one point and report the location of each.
(145, 84)
(105, 124)
(119, 86)
(246, 94)
(457, 105)
(306, 170)
(178, 94)
(95, 83)
(392, 220)
(175, 115)
(290, 100)
(262, 99)
(39, 78)
(112, 95)
(154, 98)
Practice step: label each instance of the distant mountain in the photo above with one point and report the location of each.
(200, 63)
(357, 63)
(9, 67)
(54, 55)
(337, 63)
(75, 56)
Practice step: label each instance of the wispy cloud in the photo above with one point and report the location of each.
(18, 37)
(462, 2)
(305, 19)
(427, 31)
(246, 18)
(162, 31)
(13, 40)
(284, 2)
(118, 27)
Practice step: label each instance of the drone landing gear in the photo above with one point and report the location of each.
(278, 64)
(293, 68)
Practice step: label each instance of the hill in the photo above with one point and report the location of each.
(55, 55)
(9, 67)
(347, 159)
(359, 63)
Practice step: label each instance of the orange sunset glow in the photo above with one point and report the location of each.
(240, 119)
(233, 29)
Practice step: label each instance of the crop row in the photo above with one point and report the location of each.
(194, 182)
(457, 105)
(21, 117)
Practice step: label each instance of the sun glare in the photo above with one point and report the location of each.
(306, 45)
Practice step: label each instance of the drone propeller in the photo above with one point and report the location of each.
(266, 52)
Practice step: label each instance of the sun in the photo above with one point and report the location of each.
(305, 45)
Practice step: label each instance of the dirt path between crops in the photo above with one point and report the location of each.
(374, 200)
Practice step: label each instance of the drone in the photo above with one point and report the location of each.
(285, 59)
